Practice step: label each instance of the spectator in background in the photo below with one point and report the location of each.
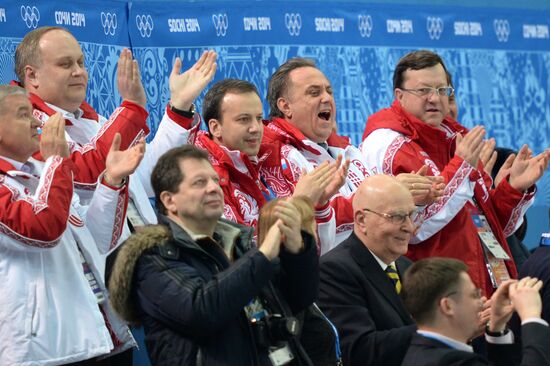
(360, 279)
(54, 306)
(445, 303)
(416, 131)
(203, 292)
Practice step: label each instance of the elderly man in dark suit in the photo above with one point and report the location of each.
(360, 279)
(444, 302)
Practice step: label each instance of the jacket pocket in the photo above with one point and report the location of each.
(32, 310)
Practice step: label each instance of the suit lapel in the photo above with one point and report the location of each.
(377, 277)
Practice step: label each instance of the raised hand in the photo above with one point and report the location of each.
(271, 245)
(424, 189)
(501, 307)
(504, 170)
(290, 224)
(527, 170)
(120, 164)
(53, 141)
(186, 87)
(525, 297)
(488, 155)
(469, 147)
(129, 79)
(323, 182)
(337, 180)
(483, 317)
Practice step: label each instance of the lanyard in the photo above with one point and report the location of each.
(269, 195)
(545, 239)
(338, 351)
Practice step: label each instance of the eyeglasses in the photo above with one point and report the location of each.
(476, 294)
(444, 91)
(396, 219)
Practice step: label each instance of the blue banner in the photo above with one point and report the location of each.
(177, 24)
(105, 22)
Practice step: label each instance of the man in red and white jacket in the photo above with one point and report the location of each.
(250, 172)
(416, 131)
(303, 117)
(50, 65)
(54, 306)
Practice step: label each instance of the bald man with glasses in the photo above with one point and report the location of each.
(360, 279)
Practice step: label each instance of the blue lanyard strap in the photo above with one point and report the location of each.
(269, 195)
(545, 239)
(338, 351)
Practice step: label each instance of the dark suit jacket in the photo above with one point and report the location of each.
(359, 298)
(538, 265)
(430, 352)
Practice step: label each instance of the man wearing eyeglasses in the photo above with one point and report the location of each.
(472, 220)
(360, 279)
(445, 304)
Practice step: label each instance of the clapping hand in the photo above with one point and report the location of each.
(186, 87)
(52, 140)
(120, 164)
(129, 79)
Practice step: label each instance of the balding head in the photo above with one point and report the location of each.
(377, 204)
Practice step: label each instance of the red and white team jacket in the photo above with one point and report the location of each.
(298, 152)
(243, 189)
(397, 142)
(49, 314)
(90, 136)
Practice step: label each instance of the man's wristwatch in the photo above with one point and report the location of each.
(187, 114)
(496, 334)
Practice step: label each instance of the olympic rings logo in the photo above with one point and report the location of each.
(30, 16)
(221, 23)
(293, 22)
(502, 29)
(435, 26)
(365, 25)
(144, 24)
(109, 23)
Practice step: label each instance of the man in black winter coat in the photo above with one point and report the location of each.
(203, 292)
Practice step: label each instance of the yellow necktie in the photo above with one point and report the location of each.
(394, 277)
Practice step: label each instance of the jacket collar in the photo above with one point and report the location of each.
(88, 111)
(378, 278)
(426, 136)
(232, 234)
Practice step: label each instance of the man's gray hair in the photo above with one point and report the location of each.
(7, 90)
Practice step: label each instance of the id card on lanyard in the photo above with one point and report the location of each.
(495, 255)
(92, 280)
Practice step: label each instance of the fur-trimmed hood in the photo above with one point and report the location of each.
(120, 283)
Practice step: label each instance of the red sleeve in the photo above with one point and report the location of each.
(182, 121)
(130, 121)
(343, 209)
(40, 220)
(408, 159)
(509, 203)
